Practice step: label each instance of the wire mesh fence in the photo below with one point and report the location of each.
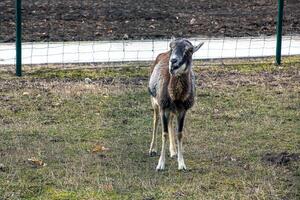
(146, 50)
(118, 31)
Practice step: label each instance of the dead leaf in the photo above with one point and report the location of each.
(56, 104)
(99, 148)
(88, 80)
(125, 36)
(193, 20)
(106, 187)
(36, 162)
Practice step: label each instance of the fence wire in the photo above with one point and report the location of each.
(147, 50)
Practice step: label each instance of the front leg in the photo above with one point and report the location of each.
(164, 115)
(172, 147)
(180, 123)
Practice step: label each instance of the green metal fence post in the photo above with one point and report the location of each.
(18, 38)
(279, 31)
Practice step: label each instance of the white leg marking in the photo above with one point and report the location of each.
(162, 158)
(181, 164)
(172, 147)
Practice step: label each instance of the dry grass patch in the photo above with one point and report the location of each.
(242, 114)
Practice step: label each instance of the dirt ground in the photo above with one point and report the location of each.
(49, 20)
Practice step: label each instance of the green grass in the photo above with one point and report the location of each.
(124, 72)
(242, 112)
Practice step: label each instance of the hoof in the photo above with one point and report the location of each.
(152, 153)
(161, 165)
(160, 168)
(181, 166)
(182, 169)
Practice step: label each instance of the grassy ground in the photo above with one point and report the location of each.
(243, 112)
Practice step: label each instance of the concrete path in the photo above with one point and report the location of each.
(143, 50)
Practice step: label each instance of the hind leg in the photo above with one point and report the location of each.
(153, 145)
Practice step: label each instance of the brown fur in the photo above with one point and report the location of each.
(163, 57)
(176, 92)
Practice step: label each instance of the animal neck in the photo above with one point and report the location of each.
(179, 86)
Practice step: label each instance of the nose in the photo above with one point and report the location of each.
(174, 60)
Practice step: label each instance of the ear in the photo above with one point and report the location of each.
(196, 48)
(172, 42)
(172, 39)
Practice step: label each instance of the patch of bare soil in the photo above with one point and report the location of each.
(283, 158)
(49, 20)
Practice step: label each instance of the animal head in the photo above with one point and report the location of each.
(181, 51)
